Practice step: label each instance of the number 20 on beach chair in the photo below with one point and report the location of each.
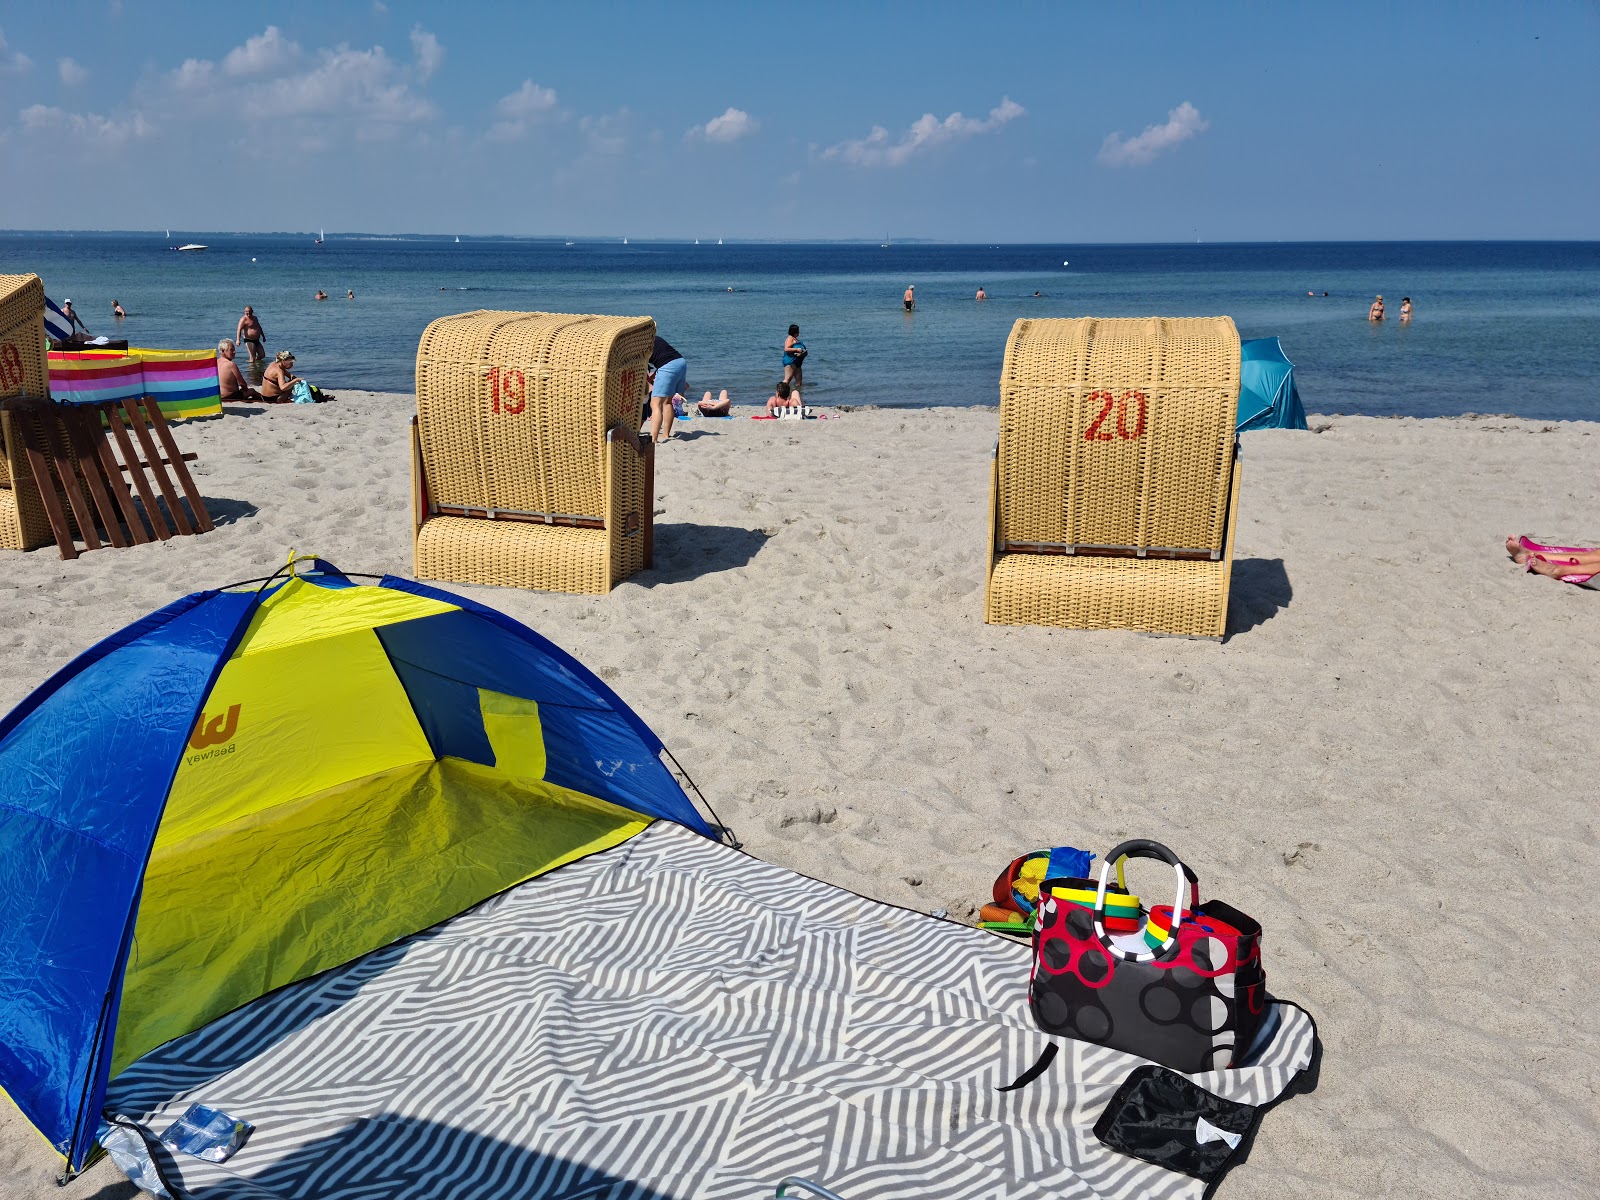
(1115, 484)
(522, 472)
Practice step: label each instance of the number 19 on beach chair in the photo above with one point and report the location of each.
(522, 471)
(1115, 483)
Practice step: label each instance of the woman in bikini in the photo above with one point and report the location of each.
(278, 380)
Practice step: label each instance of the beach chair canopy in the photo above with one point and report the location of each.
(253, 785)
(1268, 398)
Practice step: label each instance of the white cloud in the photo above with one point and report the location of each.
(1182, 124)
(427, 52)
(72, 72)
(268, 53)
(607, 133)
(926, 132)
(39, 118)
(336, 83)
(12, 62)
(729, 127)
(519, 111)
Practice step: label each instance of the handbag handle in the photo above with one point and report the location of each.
(1145, 848)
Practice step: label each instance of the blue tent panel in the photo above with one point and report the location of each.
(86, 778)
(1268, 398)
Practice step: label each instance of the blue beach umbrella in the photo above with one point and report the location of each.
(1268, 398)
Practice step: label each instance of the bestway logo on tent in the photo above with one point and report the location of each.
(217, 731)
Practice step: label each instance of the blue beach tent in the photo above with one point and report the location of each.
(1268, 398)
(253, 785)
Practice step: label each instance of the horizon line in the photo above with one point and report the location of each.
(892, 241)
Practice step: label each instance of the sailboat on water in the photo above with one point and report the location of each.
(321, 237)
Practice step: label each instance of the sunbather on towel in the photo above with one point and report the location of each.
(720, 407)
(1556, 562)
(782, 399)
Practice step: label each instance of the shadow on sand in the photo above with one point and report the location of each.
(397, 1156)
(686, 551)
(1260, 588)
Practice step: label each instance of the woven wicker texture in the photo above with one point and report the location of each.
(1117, 434)
(512, 416)
(25, 371)
(1187, 598)
(1070, 475)
(548, 558)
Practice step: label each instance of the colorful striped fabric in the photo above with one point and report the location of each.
(182, 382)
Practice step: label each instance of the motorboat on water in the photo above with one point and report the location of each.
(193, 246)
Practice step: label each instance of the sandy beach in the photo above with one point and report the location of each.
(1387, 762)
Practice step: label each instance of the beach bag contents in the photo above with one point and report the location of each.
(206, 1133)
(1182, 987)
(1016, 889)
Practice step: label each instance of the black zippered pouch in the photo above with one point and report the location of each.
(1162, 1117)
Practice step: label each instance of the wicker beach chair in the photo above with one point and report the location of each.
(24, 371)
(520, 477)
(1116, 478)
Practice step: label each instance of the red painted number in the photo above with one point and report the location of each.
(508, 390)
(1122, 416)
(12, 375)
(1095, 434)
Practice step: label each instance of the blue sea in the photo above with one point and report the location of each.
(1500, 327)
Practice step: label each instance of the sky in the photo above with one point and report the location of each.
(996, 122)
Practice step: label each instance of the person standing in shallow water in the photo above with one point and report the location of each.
(794, 354)
(252, 335)
(1405, 309)
(1375, 313)
(910, 298)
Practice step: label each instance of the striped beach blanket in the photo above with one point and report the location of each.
(668, 1018)
(182, 382)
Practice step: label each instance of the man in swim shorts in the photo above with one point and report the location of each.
(230, 382)
(251, 334)
(910, 298)
(669, 379)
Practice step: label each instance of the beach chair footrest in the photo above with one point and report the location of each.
(549, 558)
(1183, 597)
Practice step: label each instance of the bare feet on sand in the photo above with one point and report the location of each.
(1515, 548)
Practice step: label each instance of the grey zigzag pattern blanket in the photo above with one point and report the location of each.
(712, 1024)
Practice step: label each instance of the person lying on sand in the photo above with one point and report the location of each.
(720, 407)
(229, 380)
(1557, 564)
(782, 399)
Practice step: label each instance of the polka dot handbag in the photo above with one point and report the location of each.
(1185, 989)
